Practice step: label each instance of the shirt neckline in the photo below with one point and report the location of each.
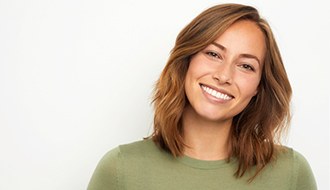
(199, 164)
(204, 164)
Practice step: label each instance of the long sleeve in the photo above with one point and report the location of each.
(105, 176)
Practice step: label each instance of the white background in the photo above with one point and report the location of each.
(76, 79)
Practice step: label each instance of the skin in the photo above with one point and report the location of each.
(231, 69)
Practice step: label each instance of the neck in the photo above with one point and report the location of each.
(205, 139)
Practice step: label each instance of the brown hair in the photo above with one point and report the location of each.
(254, 130)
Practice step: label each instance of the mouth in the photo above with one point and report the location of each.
(216, 93)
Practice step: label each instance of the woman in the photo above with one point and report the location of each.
(221, 103)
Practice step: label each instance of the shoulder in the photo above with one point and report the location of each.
(137, 147)
(116, 163)
(132, 150)
(286, 155)
(106, 172)
(294, 163)
(142, 151)
(138, 150)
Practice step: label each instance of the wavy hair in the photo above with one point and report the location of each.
(255, 130)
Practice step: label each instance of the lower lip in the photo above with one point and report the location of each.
(213, 99)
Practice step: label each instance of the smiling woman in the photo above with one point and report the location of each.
(220, 101)
(222, 79)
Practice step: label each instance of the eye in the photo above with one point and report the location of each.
(247, 67)
(213, 54)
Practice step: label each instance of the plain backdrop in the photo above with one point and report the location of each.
(76, 78)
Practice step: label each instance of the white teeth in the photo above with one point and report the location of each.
(215, 93)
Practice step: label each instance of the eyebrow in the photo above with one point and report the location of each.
(219, 46)
(244, 55)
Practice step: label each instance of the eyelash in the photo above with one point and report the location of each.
(218, 56)
(247, 67)
(214, 54)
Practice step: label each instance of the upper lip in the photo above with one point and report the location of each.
(223, 91)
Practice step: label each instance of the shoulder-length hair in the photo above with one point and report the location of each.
(256, 129)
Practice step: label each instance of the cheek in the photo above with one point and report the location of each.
(195, 71)
(188, 83)
(188, 78)
(199, 64)
(249, 86)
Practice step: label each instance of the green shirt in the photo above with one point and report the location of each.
(143, 166)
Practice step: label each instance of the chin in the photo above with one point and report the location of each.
(214, 116)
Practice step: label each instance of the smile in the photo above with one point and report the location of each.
(216, 94)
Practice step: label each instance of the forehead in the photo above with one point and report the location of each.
(244, 37)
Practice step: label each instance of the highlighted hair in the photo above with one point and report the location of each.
(256, 129)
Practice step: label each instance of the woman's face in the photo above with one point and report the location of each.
(222, 78)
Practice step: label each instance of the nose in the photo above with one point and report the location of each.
(223, 74)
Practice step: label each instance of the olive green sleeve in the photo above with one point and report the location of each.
(105, 176)
(304, 176)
